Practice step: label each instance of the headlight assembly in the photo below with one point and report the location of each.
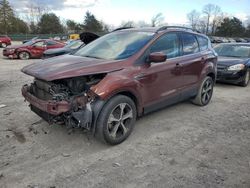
(236, 67)
(11, 50)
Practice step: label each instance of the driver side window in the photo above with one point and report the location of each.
(168, 44)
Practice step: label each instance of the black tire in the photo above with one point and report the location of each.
(205, 92)
(111, 127)
(24, 55)
(246, 79)
(4, 45)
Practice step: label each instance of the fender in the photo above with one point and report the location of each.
(209, 68)
(22, 50)
(116, 83)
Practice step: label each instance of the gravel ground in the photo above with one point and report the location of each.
(180, 146)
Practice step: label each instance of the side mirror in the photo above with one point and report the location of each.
(157, 57)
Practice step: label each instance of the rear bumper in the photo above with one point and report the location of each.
(51, 107)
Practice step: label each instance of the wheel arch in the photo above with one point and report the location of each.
(99, 104)
(212, 75)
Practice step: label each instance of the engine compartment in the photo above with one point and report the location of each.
(76, 91)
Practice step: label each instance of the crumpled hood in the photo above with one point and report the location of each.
(229, 61)
(68, 66)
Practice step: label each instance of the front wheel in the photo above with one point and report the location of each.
(246, 79)
(205, 92)
(24, 55)
(4, 45)
(116, 120)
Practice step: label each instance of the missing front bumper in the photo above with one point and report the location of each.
(59, 111)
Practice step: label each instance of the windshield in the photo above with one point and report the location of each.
(29, 43)
(74, 44)
(115, 46)
(242, 51)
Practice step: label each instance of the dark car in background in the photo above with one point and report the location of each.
(33, 39)
(4, 41)
(72, 46)
(31, 49)
(240, 40)
(233, 63)
(68, 48)
(111, 81)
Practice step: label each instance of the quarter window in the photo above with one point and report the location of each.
(168, 44)
(203, 43)
(190, 44)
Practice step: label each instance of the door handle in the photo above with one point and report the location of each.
(178, 65)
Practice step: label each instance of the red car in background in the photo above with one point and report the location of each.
(4, 41)
(31, 49)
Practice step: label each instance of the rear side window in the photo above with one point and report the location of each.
(203, 43)
(168, 44)
(190, 44)
(51, 43)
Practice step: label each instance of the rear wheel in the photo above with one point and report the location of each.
(246, 79)
(24, 55)
(205, 92)
(116, 120)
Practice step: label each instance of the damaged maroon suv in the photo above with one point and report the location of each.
(123, 75)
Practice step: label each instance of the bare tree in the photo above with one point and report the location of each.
(127, 24)
(208, 11)
(217, 18)
(35, 12)
(142, 23)
(157, 20)
(194, 18)
(202, 25)
(214, 17)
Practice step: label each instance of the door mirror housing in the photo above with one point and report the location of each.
(157, 57)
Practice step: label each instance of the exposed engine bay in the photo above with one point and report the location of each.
(76, 91)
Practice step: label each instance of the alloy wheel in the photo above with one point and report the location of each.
(247, 78)
(24, 55)
(4, 45)
(119, 121)
(207, 91)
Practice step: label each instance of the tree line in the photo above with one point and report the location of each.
(39, 20)
(211, 20)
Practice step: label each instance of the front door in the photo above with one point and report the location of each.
(37, 49)
(161, 81)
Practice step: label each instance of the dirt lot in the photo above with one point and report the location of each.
(181, 146)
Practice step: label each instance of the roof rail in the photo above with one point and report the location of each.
(121, 28)
(177, 27)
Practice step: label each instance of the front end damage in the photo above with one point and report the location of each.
(67, 101)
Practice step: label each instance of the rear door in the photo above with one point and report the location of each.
(191, 63)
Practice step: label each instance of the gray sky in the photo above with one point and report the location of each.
(115, 11)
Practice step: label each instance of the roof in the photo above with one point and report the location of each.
(237, 43)
(158, 29)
